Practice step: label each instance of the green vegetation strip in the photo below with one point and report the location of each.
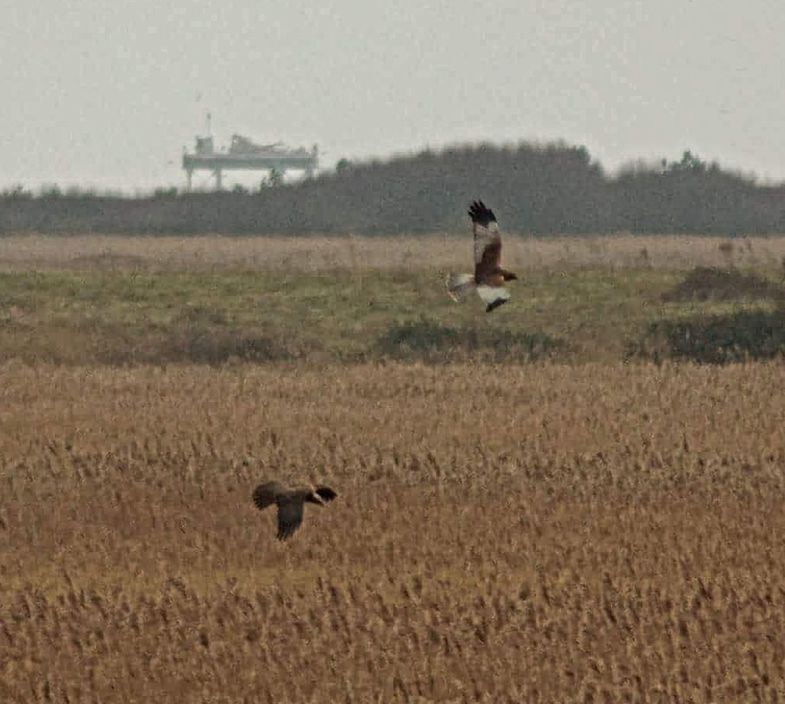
(576, 316)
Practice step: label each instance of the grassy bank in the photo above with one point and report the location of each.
(573, 315)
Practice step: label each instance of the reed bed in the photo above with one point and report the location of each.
(529, 533)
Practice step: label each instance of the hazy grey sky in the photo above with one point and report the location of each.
(106, 94)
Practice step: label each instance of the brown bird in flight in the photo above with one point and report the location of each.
(290, 502)
(489, 277)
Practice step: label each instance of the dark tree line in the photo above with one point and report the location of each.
(541, 190)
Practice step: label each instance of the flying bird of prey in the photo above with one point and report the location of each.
(290, 503)
(489, 276)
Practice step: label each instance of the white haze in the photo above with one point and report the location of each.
(105, 95)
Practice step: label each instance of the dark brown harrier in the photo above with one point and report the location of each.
(290, 502)
(489, 276)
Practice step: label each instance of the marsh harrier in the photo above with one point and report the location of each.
(290, 503)
(489, 276)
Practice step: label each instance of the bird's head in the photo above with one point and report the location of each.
(321, 495)
(312, 497)
(315, 498)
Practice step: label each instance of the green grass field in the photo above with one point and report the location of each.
(577, 315)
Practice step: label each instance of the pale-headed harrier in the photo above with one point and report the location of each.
(489, 276)
(290, 503)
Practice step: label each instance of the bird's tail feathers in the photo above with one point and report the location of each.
(459, 285)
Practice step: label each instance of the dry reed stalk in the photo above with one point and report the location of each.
(314, 253)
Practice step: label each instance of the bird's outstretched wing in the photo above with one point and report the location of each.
(487, 239)
(266, 494)
(326, 493)
(290, 516)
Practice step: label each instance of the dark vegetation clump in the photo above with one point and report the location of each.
(717, 339)
(704, 337)
(434, 341)
(198, 336)
(715, 284)
(219, 346)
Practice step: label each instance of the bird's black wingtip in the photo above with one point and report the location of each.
(326, 493)
(495, 304)
(481, 214)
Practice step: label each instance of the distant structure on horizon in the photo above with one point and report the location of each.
(243, 154)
